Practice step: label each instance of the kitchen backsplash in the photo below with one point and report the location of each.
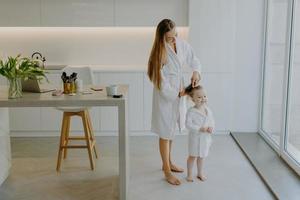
(82, 46)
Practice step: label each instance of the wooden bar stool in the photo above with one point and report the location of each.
(85, 74)
(88, 137)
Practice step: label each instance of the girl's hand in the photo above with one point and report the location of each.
(209, 129)
(195, 78)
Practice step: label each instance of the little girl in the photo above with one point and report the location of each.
(200, 123)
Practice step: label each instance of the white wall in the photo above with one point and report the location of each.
(250, 15)
(227, 36)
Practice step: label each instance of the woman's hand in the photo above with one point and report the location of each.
(182, 93)
(206, 129)
(195, 78)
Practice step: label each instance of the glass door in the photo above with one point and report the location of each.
(292, 144)
(280, 103)
(274, 70)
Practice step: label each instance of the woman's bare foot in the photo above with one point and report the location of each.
(201, 177)
(172, 179)
(189, 179)
(176, 169)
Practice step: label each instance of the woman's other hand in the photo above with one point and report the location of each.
(203, 129)
(195, 78)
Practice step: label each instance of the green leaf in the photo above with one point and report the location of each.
(21, 67)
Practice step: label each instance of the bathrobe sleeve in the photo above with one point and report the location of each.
(168, 91)
(211, 122)
(191, 59)
(189, 123)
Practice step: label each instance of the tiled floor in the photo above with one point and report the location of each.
(282, 180)
(33, 175)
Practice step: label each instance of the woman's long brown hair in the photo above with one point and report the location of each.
(158, 53)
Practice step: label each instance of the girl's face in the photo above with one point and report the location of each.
(199, 97)
(170, 36)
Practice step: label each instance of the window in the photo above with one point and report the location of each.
(293, 119)
(274, 72)
(280, 103)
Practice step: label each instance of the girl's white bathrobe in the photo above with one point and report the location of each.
(199, 142)
(167, 108)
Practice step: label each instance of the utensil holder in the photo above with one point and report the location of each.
(69, 88)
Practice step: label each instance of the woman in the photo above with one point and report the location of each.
(165, 69)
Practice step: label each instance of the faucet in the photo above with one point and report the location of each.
(38, 56)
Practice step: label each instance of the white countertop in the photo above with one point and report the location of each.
(96, 98)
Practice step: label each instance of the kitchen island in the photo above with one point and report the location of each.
(97, 98)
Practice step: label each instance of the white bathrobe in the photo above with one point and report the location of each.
(199, 142)
(167, 108)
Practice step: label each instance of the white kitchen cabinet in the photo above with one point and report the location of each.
(108, 115)
(92, 13)
(148, 92)
(150, 13)
(77, 13)
(19, 13)
(25, 119)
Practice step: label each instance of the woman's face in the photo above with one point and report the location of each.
(199, 97)
(170, 36)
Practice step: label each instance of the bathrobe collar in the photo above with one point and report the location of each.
(197, 111)
(172, 53)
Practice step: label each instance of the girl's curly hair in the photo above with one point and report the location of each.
(190, 89)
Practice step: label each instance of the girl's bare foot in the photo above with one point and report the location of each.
(201, 177)
(189, 179)
(172, 179)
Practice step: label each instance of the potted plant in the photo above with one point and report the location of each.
(17, 68)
